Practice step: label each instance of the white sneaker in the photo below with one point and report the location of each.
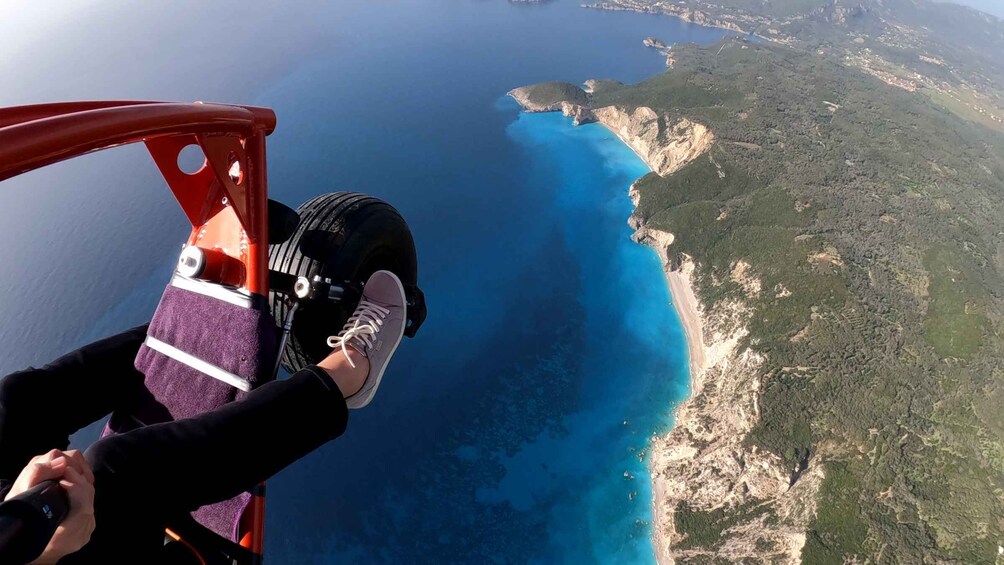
(375, 329)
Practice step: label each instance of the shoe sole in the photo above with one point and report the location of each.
(379, 376)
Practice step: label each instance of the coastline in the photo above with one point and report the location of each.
(722, 416)
(702, 461)
(691, 16)
(678, 275)
(684, 300)
(681, 289)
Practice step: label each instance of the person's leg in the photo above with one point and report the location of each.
(41, 408)
(145, 476)
(216, 455)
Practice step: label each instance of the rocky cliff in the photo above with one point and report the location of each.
(703, 465)
(664, 143)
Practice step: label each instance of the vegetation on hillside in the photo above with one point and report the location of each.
(549, 93)
(882, 216)
(873, 218)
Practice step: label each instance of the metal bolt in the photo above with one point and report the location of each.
(302, 287)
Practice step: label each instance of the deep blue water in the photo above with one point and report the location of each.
(513, 428)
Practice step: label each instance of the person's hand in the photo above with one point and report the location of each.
(75, 476)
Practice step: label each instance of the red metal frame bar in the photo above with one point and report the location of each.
(226, 201)
(39, 135)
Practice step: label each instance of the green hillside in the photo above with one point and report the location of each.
(881, 213)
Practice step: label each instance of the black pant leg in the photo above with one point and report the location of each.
(147, 475)
(41, 408)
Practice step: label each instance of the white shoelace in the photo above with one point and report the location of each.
(362, 326)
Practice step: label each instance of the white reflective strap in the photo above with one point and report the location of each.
(233, 296)
(197, 364)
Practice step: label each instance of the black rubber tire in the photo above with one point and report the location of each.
(344, 236)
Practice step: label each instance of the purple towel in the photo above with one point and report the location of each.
(239, 340)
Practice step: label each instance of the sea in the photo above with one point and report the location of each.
(514, 427)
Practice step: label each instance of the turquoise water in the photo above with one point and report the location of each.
(513, 428)
(596, 491)
(531, 449)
